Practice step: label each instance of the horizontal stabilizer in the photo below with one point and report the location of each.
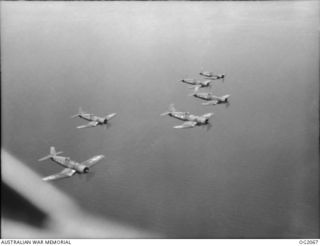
(45, 158)
(165, 113)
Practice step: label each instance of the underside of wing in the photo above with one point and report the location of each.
(92, 161)
(188, 124)
(65, 173)
(213, 102)
(90, 124)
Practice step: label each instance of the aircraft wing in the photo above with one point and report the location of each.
(110, 116)
(90, 124)
(188, 124)
(92, 161)
(65, 173)
(213, 102)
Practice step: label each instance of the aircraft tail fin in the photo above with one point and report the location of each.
(52, 154)
(80, 111)
(171, 109)
(195, 90)
(53, 150)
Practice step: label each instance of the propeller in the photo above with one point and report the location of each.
(207, 126)
(107, 125)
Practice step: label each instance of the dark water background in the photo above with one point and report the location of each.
(255, 173)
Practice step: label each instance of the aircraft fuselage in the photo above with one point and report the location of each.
(68, 163)
(180, 115)
(200, 120)
(204, 96)
(212, 76)
(191, 81)
(90, 117)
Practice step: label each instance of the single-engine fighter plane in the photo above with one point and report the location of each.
(71, 167)
(210, 98)
(94, 120)
(190, 119)
(197, 84)
(212, 75)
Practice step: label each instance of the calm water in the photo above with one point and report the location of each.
(253, 174)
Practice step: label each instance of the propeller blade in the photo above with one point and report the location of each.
(208, 126)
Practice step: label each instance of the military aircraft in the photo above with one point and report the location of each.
(71, 167)
(94, 120)
(212, 99)
(212, 75)
(197, 84)
(190, 119)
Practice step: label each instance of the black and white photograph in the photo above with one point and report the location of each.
(160, 119)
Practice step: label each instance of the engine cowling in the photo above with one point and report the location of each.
(81, 168)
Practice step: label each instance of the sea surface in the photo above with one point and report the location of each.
(253, 174)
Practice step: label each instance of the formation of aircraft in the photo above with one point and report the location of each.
(210, 98)
(93, 119)
(191, 120)
(70, 167)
